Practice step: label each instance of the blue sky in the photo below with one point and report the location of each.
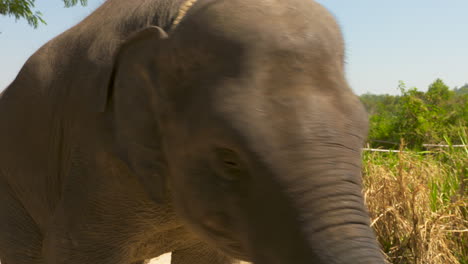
(415, 41)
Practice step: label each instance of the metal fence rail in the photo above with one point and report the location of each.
(444, 146)
(382, 150)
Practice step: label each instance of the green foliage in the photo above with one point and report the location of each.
(432, 117)
(418, 199)
(24, 9)
(462, 90)
(449, 187)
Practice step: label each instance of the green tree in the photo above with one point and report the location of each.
(413, 117)
(373, 102)
(461, 90)
(438, 92)
(23, 9)
(436, 116)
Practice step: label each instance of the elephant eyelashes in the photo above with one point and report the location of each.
(230, 163)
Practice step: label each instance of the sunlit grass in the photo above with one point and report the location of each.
(418, 204)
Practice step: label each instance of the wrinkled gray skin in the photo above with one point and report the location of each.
(235, 134)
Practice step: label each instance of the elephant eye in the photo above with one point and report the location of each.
(230, 163)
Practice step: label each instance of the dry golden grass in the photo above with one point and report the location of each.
(418, 205)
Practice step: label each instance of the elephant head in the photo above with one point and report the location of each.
(242, 117)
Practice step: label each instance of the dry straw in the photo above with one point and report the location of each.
(418, 205)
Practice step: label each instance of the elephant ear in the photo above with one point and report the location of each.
(134, 105)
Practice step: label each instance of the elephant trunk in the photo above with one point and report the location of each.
(327, 223)
(335, 222)
(318, 208)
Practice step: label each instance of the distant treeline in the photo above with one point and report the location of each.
(438, 116)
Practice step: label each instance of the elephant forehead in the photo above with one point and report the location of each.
(226, 30)
(288, 21)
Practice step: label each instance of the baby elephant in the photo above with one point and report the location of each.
(218, 130)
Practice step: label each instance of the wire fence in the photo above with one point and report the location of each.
(427, 146)
(382, 150)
